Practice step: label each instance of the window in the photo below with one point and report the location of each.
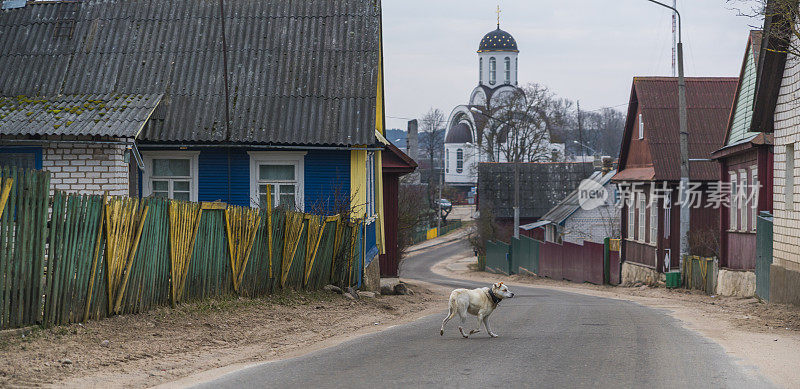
(516, 70)
(753, 195)
(23, 157)
(283, 172)
(492, 70)
(447, 161)
(734, 208)
(654, 220)
(480, 70)
(459, 161)
(788, 188)
(642, 219)
(641, 127)
(370, 183)
(631, 219)
(170, 174)
(742, 202)
(507, 63)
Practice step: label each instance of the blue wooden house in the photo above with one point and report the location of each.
(212, 105)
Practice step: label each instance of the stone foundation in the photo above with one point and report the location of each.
(633, 273)
(372, 276)
(784, 285)
(736, 283)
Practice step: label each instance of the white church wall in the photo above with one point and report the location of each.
(484, 59)
(469, 171)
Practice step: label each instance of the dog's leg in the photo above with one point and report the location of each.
(447, 318)
(463, 321)
(477, 329)
(486, 324)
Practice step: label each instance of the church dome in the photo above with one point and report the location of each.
(460, 133)
(498, 40)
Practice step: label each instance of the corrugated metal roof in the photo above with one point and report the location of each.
(299, 72)
(118, 115)
(709, 101)
(571, 203)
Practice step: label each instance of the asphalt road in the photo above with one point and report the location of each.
(548, 339)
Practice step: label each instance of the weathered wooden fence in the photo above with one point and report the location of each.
(68, 258)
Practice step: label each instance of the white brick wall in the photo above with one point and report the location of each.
(786, 246)
(91, 168)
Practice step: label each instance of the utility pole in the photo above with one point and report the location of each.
(684, 143)
(439, 199)
(517, 153)
(674, 37)
(580, 138)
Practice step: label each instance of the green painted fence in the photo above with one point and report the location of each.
(23, 232)
(524, 255)
(497, 257)
(54, 254)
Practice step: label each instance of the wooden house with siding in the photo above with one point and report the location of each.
(650, 158)
(220, 101)
(746, 163)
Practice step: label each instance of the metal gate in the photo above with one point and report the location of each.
(763, 254)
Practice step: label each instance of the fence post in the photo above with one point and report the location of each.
(606, 261)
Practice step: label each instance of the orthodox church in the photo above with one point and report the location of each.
(498, 67)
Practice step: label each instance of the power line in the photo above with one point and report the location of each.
(445, 121)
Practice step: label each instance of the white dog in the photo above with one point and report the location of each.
(480, 302)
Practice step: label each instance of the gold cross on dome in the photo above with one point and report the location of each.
(498, 15)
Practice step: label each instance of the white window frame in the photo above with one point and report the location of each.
(148, 157)
(632, 219)
(460, 161)
(754, 198)
(641, 127)
(296, 158)
(507, 64)
(371, 198)
(480, 70)
(642, 200)
(743, 206)
(733, 217)
(492, 70)
(654, 220)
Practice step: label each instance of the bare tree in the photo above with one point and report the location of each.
(432, 125)
(780, 16)
(518, 125)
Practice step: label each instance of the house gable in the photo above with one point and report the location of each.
(742, 113)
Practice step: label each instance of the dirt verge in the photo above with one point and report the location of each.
(166, 344)
(758, 334)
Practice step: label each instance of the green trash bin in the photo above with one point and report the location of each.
(673, 279)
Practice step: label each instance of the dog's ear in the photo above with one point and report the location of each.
(501, 282)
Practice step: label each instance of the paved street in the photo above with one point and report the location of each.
(547, 339)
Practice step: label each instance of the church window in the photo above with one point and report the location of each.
(480, 70)
(459, 161)
(492, 70)
(516, 70)
(508, 70)
(447, 161)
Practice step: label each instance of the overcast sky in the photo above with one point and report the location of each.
(585, 50)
